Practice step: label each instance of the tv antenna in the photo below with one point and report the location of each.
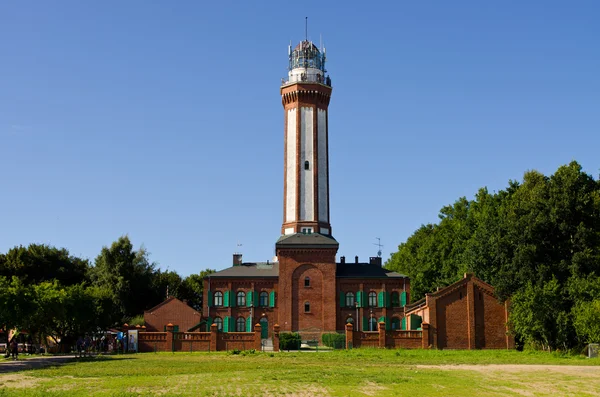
(379, 245)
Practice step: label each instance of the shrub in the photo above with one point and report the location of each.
(289, 341)
(337, 341)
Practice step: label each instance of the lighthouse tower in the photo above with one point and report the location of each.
(305, 97)
(306, 249)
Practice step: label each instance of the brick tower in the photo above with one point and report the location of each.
(306, 250)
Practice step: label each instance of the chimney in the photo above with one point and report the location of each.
(342, 259)
(375, 260)
(237, 259)
(356, 259)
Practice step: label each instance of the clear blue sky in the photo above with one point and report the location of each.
(162, 120)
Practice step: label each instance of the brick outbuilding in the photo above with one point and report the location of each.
(463, 315)
(174, 311)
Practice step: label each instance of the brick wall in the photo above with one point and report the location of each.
(294, 265)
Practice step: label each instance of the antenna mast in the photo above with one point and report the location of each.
(306, 28)
(378, 244)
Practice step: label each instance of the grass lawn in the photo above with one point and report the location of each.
(358, 372)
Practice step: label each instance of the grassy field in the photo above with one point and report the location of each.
(340, 373)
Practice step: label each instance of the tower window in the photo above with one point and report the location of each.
(306, 307)
(307, 281)
(307, 230)
(306, 165)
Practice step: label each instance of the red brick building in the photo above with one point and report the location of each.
(464, 315)
(174, 311)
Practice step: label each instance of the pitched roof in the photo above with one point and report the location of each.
(448, 289)
(161, 304)
(312, 240)
(364, 270)
(249, 270)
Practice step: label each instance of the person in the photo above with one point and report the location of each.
(14, 348)
(87, 346)
(79, 345)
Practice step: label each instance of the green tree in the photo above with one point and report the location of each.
(587, 321)
(541, 233)
(127, 276)
(193, 288)
(40, 262)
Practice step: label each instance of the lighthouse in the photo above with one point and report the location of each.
(305, 96)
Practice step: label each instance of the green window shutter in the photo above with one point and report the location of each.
(164, 328)
(359, 295)
(388, 324)
(381, 319)
(232, 298)
(249, 299)
(388, 302)
(249, 324)
(176, 328)
(403, 323)
(226, 299)
(365, 324)
(272, 299)
(209, 322)
(403, 299)
(209, 299)
(380, 299)
(256, 296)
(226, 324)
(342, 299)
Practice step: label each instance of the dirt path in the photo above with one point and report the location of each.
(33, 363)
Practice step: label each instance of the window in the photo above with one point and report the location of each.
(395, 323)
(241, 299)
(372, 299)
(240, 324)
(306, 307)
(372, 324)
(306, 165)
(307, 281)
(349, 320)
(395, 299)
(264, 299)
(307, 230)
(349, 299)
(218, 299)
(219, 322)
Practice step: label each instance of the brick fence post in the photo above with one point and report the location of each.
(170, 345)
(425, 336)
(257, 337)
(276, 338)
(214, 334)
(349, 336)
(382, 335)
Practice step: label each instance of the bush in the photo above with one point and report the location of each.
(337, 341)
(289, 341)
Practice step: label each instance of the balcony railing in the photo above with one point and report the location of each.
(310, 78)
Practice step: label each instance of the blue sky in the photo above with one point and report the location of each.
(163, 120)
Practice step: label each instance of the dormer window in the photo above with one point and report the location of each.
(307, 281)
(306, 165)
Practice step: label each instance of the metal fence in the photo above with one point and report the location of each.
(312, 340)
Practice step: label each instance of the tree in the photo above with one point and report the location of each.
(587, 321)
(127, 277)
(538, 239)
(193, 288)
(40, 262)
